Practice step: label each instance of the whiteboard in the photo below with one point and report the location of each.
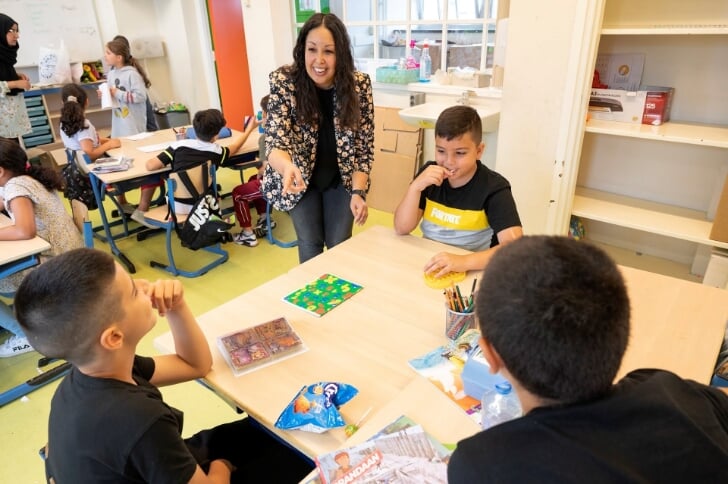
(45, 22)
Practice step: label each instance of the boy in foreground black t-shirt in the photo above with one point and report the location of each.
(555, 320)
(108, 422)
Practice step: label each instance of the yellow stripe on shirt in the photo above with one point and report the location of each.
(454, 218)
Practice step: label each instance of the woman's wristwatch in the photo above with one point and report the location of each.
(361, 193)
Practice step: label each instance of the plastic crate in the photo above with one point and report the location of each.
(392, 75)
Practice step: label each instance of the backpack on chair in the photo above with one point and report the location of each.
(204, 225)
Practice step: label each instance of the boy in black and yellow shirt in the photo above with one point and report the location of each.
(459, 200)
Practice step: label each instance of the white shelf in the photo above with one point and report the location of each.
(662, 29)
(656, 218)
(695, 134)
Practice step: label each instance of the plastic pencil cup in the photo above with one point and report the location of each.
(180, 134)
(457, 323)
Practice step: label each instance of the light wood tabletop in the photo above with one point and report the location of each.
(14, 250)
(368, 340)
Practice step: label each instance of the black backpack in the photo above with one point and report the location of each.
(204, 225)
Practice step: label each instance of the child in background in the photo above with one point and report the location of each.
(30, 199)
(151, 119)
(554, 316)
(77, 133)
(128, 85)
(459, 200)
(110, 383)
(247, 193)
(187, 153)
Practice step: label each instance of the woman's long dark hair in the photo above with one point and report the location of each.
(306, 96)
(14, 159)
(73, 118)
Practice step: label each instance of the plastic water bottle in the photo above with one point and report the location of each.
(499, 404)
(425, 64)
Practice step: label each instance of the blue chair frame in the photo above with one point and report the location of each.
(166, 221)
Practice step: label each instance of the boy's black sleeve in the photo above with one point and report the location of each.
(500, 207)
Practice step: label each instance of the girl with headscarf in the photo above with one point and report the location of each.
(14, 120)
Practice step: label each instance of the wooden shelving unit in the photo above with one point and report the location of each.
(670, 33)
(49, 98)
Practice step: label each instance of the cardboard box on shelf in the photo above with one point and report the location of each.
(617, 105)
(397, 150)
(657, 104)
(649, 105)
(719, 231)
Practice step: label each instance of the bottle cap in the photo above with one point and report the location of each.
(504, 388)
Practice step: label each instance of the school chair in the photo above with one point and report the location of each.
(79, 210)
(164, 217)
(269, 235)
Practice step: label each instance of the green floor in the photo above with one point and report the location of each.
(24, 422)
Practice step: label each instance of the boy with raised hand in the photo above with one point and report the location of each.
(555, 320)
(108, 422)
(458, 199)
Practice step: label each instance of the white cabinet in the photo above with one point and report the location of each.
(652, 188)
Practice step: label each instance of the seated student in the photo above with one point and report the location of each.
(554, 314)
(78, 133)
(30, 197)
(108, 422)
(459, 200)
(188, 153)
(249, 192)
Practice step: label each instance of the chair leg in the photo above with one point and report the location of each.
(172, 268)
(269, 234)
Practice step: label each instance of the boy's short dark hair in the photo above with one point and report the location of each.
(455, 121)
(208, 123)
(65, 304)
(264, 102)
(557, 312)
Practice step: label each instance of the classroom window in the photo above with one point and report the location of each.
(380, 30)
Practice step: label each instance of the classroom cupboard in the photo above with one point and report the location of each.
(560, 165)
(44, 109)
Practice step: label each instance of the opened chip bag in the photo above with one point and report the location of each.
(315, 408)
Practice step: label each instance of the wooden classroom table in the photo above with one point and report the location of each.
(139, 151)
(368, 340)
(17, 255)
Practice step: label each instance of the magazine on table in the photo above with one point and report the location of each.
(401, 453)
(443, 367)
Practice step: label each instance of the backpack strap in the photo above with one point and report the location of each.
(187, 182)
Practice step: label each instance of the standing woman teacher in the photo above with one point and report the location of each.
(14, 120)
(320, 137)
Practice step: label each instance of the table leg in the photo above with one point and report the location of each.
(98, 186)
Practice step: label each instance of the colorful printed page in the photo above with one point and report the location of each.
(322, 295)
(444, 365)
(401, 453)
(261, 345)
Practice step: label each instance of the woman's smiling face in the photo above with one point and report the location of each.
(321, 57)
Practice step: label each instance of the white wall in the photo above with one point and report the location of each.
(269, 37)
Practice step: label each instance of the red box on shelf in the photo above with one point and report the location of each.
(657, 104)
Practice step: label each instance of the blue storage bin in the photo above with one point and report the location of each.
(477, 376)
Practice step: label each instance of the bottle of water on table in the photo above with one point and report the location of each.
(499, 404)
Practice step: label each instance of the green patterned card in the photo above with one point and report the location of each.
(322, 295)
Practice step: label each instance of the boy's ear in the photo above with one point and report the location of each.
(112, 338)
(479, 151)
(491, 355)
